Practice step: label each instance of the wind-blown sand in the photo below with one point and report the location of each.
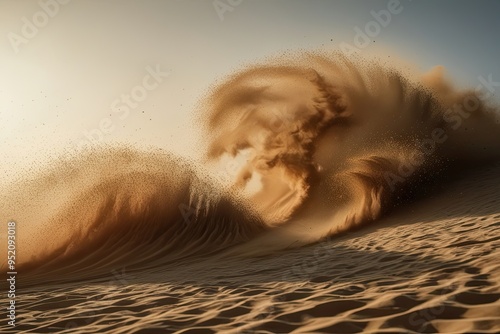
(367, 199)
(434, 267)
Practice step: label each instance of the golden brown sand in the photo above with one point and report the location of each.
(120, 241)
(433, 267)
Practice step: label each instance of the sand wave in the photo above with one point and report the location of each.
(330, 144)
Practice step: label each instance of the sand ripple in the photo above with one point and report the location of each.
(433, 268)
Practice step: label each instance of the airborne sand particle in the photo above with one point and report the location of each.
(319, 133)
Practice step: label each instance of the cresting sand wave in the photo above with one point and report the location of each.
(329, 144)
(431, 267)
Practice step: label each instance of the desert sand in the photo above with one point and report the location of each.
(364, 214)
(432, 267)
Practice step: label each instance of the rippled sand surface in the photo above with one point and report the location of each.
(434, 267)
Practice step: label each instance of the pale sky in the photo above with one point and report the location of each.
(66, 77)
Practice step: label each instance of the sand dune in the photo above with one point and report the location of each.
(364, 215)
(432, 267)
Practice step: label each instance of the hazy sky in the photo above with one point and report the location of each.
(65, 69)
